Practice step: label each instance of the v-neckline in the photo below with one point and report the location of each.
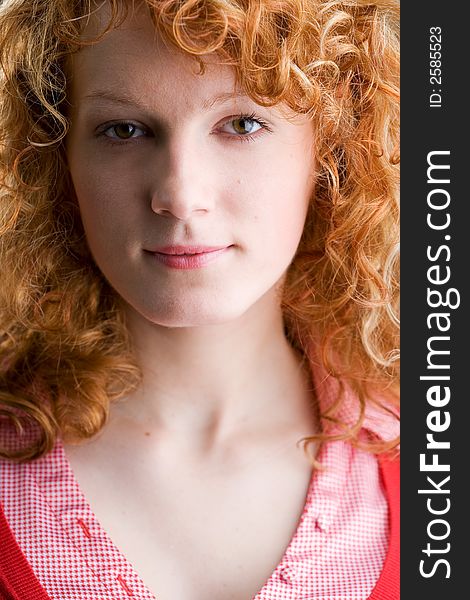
(105, 558)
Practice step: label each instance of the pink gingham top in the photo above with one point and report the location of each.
(336, 553)
(341, 549)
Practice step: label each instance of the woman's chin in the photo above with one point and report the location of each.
(182, 315)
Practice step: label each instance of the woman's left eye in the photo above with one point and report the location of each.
(245, 126)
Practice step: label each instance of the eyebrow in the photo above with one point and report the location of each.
(120, 98)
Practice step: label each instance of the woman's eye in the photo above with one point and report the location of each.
(245, 126)
(123, 131)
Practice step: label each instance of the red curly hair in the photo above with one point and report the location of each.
(65, 353)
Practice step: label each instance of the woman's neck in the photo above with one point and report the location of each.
(208, 382)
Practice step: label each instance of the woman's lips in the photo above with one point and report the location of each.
(188, 257)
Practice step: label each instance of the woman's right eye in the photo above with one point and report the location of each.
(123, 131)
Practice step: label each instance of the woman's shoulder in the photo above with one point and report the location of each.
(379, 477)
(18, 505)
(388, 584)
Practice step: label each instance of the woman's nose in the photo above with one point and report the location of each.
(183, 186)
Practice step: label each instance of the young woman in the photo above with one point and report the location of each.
(198, 342)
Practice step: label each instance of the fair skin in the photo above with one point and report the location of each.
(214, 481)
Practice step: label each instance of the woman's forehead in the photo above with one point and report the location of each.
(135, 45)
(133, 64)
(140, 72)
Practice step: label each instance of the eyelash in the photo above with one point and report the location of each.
(242, 138)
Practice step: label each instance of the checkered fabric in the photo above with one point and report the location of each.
(337, 551)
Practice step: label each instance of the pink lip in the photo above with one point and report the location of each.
(188, 257)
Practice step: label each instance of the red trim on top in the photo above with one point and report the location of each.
(388, 585)
(17, 579)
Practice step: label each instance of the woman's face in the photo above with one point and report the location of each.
(166, 161)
